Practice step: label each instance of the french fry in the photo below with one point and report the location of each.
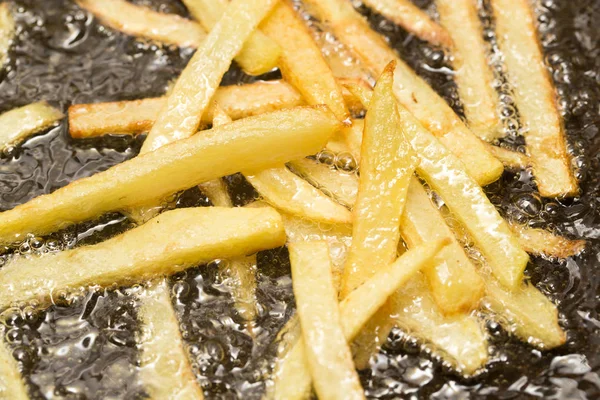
(543, 243)
(166, 244)
(413, 20)
(197, 84)
(253, 143)
(386, 166)
(292, 194)
(447, 176)
(136, 116)
(535, 98)
(302, 63)
(259, 54)
(7, 32)
(291, 378)
(412, 91)
(459, 338)
(165, 368)
(20, 123)
(526, 313)
(342, 186)
(510, 159)
(12, 385)
(216, 191)
(473, 74)
(143, 22)
(327, 353)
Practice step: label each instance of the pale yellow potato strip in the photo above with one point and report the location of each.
(473, 74)
(410, 17)
(447, 176)
(543, 243)
(291, 378)
(197, 84)
(7, 32)
(12, 386)
(412, 91)
(302, 63)
(136, 116)
(165, 368)
(164, 245)
(341, 185)
(259, 54)
(535, 98)
(288, 192)
(326, 350)
(526, 313)
(386, 167)
(140, 21)
(510, 159)
(252, 143)
(18, 124)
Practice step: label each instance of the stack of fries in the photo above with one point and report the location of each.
(376, 253)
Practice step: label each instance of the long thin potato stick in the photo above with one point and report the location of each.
(165, 368)
(447, 176)
(292, 194)
(527, 313)
(543, 243)
(460, 338)
(412, 91)
(327, 353)
(473, 74)
(412, 19)
(7, 32)
(386, 167)
(510, 159)
(164, 245)
(535, 98)
(12, 386)
(342, 186)
(252, 143)
(291, 379)
(259, 54)
(18, 124)
(198, 82)
(136, 116)
(302, 63)
(140, 21)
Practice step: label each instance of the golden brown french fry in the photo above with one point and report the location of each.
(143, 22)
(12, 385)
(286, 191)
(327, 353)
(291, 379)
(302, 63)
(136, 116)
(412, 19)
(412, 91)
(7, 32)
(341, 185)
(20, 123)
(164, 245)
(543, 243)
(253, 143)
(510, 159)
(447, 176)
(473, 74)
(386, 167)
(535, 98)
(259, 54)
(525, 312)
(165, 369)
(196, 85)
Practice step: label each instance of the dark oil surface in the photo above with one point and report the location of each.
(84, 346)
